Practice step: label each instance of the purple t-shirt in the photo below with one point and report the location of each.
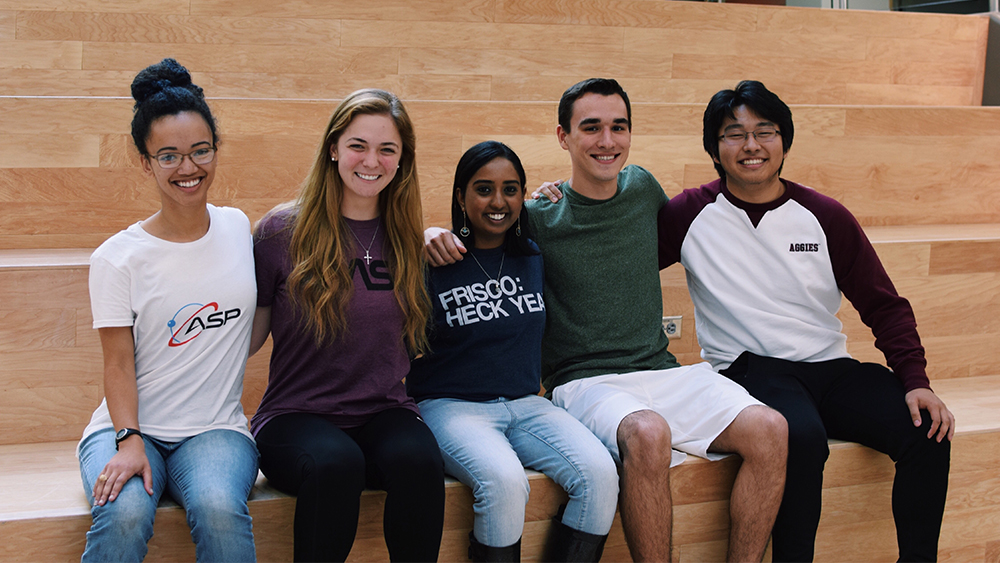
(354, 376)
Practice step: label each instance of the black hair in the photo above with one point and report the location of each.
(754, 96)
(601, 86)
(474, 159)
(163, 89)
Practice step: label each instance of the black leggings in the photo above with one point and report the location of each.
(327, 468)
(857, 402)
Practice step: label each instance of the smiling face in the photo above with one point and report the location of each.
(492, 202)
(367, 155)
(752, 166)
(187, 185)
(598, 142)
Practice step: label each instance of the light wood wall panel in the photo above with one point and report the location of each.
(70, 169)
(8, 21)
(483, 36)
(861, 23)
(119, 6)
(400, 10)
(33, 151)
(154, 28)
(243, 58)
(41, 54)
(628, 13)
(667, 51)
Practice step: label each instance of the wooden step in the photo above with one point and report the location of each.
(69, 176)
(485, 50)
(44, 515)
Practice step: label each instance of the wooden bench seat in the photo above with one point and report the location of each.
(44, 514)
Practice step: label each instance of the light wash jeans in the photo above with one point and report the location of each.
(210, 475)
(487, 445)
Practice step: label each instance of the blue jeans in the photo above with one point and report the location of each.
(487, 445)
(210, 475)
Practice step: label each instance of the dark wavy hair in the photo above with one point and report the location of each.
(601, 86)
(163, 89)
(475, 158)
(755, 97)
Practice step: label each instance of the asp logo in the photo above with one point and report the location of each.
(194, 318)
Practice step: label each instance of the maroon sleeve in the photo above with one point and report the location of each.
(270, 252)
(676, 216)
(864, 281)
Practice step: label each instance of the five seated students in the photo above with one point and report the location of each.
(341, 287)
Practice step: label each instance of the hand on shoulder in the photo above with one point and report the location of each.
(549, 190)
(442, 247)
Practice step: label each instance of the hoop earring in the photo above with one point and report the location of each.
(464, 231)
(517, 231)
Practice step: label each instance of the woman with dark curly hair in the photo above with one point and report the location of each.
(173, 301)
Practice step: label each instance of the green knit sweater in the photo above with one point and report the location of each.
(602, 283)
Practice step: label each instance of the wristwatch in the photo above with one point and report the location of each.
(125, 433)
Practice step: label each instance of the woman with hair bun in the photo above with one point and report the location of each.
(173, 299)
(340, 288)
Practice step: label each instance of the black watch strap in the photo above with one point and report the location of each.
(125, 433)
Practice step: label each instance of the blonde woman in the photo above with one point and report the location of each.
(340, 289)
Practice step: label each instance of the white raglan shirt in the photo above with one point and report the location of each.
(790, 309)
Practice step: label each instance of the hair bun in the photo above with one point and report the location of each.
(167, 73)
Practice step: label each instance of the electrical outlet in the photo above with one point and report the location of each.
(672, 326)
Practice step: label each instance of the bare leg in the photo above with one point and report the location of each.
(644, 446)
(759, 435)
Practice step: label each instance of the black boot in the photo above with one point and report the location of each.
(568, 545)
(482, 553)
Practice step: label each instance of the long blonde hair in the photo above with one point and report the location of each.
(320, 284)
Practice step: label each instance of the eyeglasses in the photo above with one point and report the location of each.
(764, 135)
(169, 160)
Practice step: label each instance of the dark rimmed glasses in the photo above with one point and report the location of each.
(170, 160)
(762, 135)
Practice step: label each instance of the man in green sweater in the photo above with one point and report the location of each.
(604, 354)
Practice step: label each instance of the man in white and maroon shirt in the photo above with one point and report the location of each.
(767, 261)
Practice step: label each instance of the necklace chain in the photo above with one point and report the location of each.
(497, 279)
(368, 256)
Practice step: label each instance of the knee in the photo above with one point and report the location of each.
(772, 429)
(644, 439)
(597, 485)
(418, 462)
(504, 488)
(807, 443)
(333, 471)
(918, 446)
(130, 515)
(217, 510)
(598, 475)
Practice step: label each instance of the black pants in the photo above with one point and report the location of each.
(327, 468)
(857, 402)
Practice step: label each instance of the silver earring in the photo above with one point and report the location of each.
(517, 231)
(333, 158)
(464, 231)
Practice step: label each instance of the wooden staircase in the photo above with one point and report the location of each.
(888, 121)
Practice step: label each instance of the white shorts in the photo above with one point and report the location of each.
(696, 402)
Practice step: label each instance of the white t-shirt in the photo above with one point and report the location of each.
(190, 306)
